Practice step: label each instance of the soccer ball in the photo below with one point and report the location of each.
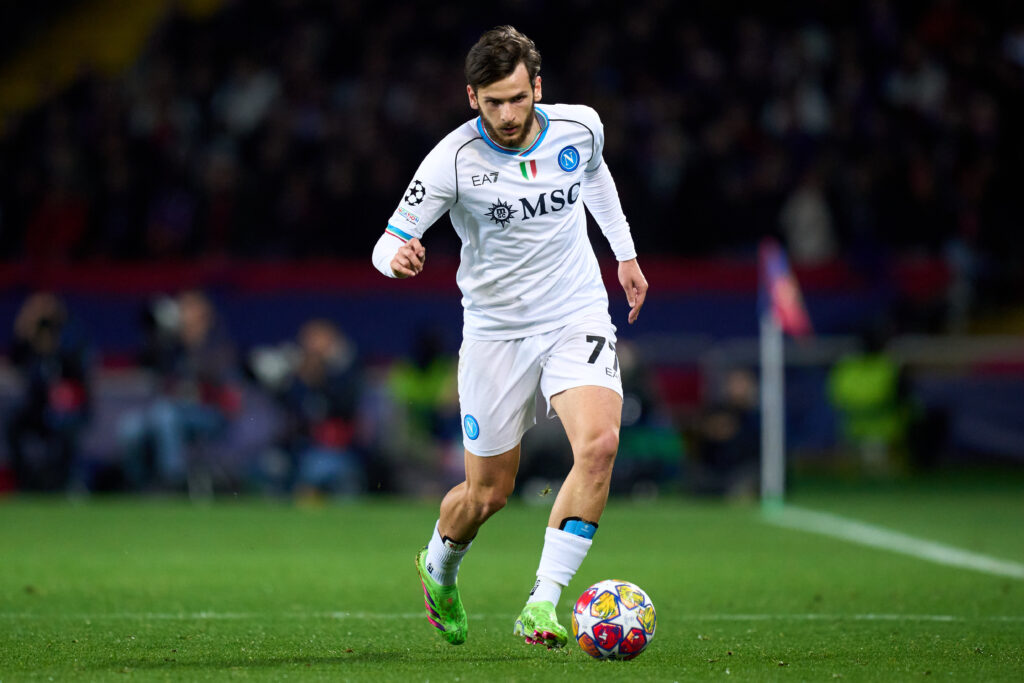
(613, 620)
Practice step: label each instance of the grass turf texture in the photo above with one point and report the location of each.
(161, 590)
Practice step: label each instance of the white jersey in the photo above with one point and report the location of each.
(527, 265)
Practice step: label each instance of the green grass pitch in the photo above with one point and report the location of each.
(130, 589)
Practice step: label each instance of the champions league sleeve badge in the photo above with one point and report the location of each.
(416, 193)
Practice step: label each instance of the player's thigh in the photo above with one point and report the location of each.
(582, 383)
(589, 413)
(497, 389)
(581, 356)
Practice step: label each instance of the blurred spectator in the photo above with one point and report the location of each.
(242, 102)
(807, 224)
(426, 437)
(917, 82)
(868, 389)
(320, 385)
(651, 451)
(54, 362)
(194, 369)
(728, 439)
(57, 225)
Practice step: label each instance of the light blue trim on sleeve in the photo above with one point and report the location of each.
(401, 233)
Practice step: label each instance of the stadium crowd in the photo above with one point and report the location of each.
(307, 417)
(288, 129)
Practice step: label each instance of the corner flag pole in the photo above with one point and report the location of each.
(780, 309)
(773, 413)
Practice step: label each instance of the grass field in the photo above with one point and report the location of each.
(163, 590)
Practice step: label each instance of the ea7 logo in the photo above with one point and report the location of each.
(483, 179)
(558, 198)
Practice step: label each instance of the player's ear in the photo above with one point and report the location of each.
(473, 104)
(536, 89)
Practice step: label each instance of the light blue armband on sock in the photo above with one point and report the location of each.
(579, 527)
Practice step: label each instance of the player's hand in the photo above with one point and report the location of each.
(635, 285)
(409, 260)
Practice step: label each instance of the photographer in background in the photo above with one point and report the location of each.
(53, 360)
(196, 395)
(320, 386)
(727, 438)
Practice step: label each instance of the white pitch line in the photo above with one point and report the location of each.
(267, 616)
(879, 537)
(949, 618)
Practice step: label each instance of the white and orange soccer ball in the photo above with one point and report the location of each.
(614, 620)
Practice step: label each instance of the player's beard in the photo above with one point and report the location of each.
(520, 138)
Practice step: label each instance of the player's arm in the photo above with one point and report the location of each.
(398, 254)
(602, 199)
(635, 285)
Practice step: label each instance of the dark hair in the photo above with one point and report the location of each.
(497, 54)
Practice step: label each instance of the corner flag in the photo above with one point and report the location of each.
(778, 291)
(780, 309)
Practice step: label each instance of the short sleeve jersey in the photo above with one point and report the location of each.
(527, 265)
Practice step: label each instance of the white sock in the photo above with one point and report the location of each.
(562, 555)
(444, 557)
(545, 589)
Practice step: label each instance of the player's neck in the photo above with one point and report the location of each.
(537, 127)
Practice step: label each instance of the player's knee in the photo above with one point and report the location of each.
(599, 453)
(486, 501)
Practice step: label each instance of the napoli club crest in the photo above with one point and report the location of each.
(472, 427)
(569, 158)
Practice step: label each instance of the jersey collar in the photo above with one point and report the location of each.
(509, 150)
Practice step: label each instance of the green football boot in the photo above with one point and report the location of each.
(444, 606)
(539, 626)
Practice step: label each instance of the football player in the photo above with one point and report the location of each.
(514, 181)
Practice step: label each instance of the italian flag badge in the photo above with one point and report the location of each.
(528, 169)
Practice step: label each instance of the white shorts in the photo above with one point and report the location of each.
(498, 380)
